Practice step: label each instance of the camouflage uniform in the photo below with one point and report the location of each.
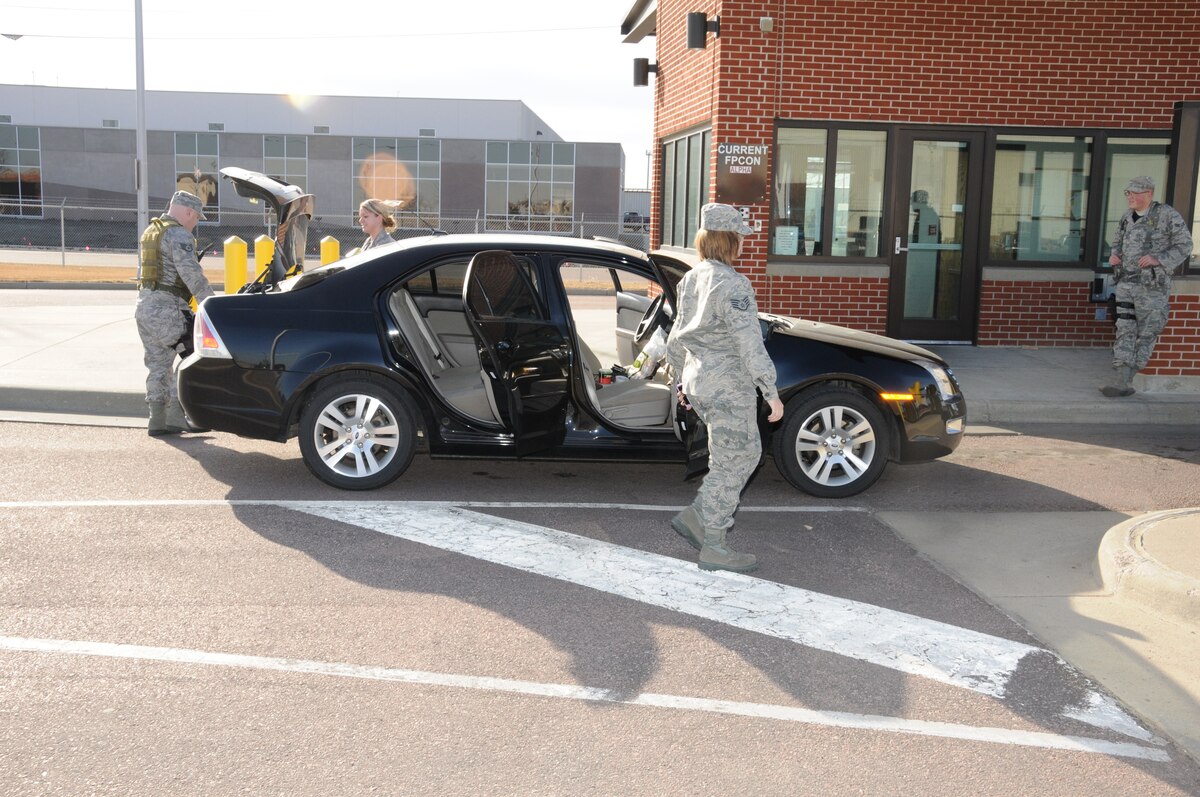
(716, 348)
(380, 239)
(160, 310)
(1143, 293)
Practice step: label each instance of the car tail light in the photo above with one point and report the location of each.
(206, 341)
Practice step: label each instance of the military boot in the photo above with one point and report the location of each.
(687, 525)
(1123, 385)
(177, 421)
(716, 555)
(158, 420)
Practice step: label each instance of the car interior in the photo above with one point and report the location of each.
(606, 306)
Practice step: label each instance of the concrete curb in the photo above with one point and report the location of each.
(73, 402)
(127, 285)
(1146, 410)
(1129, 571)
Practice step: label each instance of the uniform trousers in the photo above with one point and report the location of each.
(160, 324)
(1142, 312)
(734, 453)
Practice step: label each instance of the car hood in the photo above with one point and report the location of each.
(293, 210)
(844, 336)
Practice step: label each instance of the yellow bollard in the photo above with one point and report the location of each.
(236, 271)
(331, 250)
(264, 251)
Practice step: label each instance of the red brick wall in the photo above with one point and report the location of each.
(1019, 313)
(1038, 63)
(856, 302)
(1178, 349)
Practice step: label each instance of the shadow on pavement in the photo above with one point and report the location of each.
(614, 645)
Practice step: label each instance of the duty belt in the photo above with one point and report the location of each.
(174, 290)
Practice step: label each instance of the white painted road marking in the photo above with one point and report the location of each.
(836, 719)
(914, 645)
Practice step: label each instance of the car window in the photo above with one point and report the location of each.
(503, 286)
(444, 280)
(597, 312)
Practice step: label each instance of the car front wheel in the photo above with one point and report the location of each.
(357, 435)
(833, 443)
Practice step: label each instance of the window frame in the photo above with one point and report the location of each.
(829, 193)
(1093, 235)
(212, 211)
(25, 208)
(287, 176)
(409, 217)
(562, 165)
(677, 224)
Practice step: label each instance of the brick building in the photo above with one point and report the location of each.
(927, 169)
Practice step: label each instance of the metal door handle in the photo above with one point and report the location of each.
(900, 248)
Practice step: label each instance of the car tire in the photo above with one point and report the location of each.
(833, 443)
(358, 434)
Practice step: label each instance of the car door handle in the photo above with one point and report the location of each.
(504, 346)
(900, 248)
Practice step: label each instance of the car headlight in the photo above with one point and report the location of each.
(942, 377)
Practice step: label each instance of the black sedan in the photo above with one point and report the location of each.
(516, 345)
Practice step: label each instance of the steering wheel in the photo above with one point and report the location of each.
(653, 318)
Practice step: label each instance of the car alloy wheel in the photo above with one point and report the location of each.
(357, 435)
(833, 443)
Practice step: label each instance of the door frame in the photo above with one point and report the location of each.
(964, 328)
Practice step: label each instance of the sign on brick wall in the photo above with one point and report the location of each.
(741, 173)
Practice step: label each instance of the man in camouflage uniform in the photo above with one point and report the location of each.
(168, 277)
(716, 351)
(1151, 242)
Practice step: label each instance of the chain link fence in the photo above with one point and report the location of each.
(70, 227)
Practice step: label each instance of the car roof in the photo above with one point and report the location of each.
(511, 240)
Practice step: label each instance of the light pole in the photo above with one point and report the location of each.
(649, 153)
(139, 166)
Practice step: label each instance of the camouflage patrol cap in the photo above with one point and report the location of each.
(716, 217)
(189, 201)
(1140, 184)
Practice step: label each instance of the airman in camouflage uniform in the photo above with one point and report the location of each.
(1151, 242)
(168, 277)
(716, 351)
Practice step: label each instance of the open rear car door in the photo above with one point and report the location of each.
(524, 354)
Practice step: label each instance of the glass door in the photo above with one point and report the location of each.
(935, 235)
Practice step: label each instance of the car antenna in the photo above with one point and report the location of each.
(436, 230)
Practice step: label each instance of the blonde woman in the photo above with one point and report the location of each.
(375, 217)
(716, 352)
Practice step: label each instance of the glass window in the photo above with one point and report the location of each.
(1128, 158)
(685, 187)
(404, 170)
(858, 193)
(1040, 197)
(20, 171)
(800, 192)
(286, 159)
(197, 166)
(530, 186)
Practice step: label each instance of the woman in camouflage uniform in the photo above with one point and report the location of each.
(716, 351)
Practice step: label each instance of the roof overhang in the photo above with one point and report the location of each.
(640, 21)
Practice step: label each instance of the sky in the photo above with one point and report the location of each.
(563, 58)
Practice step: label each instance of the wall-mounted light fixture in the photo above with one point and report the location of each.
(698, 28)
(641, 71)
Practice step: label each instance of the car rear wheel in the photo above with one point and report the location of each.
(357, 435)
(833, 443)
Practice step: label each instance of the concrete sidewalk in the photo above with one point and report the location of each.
(73, 356)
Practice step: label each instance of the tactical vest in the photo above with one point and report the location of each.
(150, 269)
